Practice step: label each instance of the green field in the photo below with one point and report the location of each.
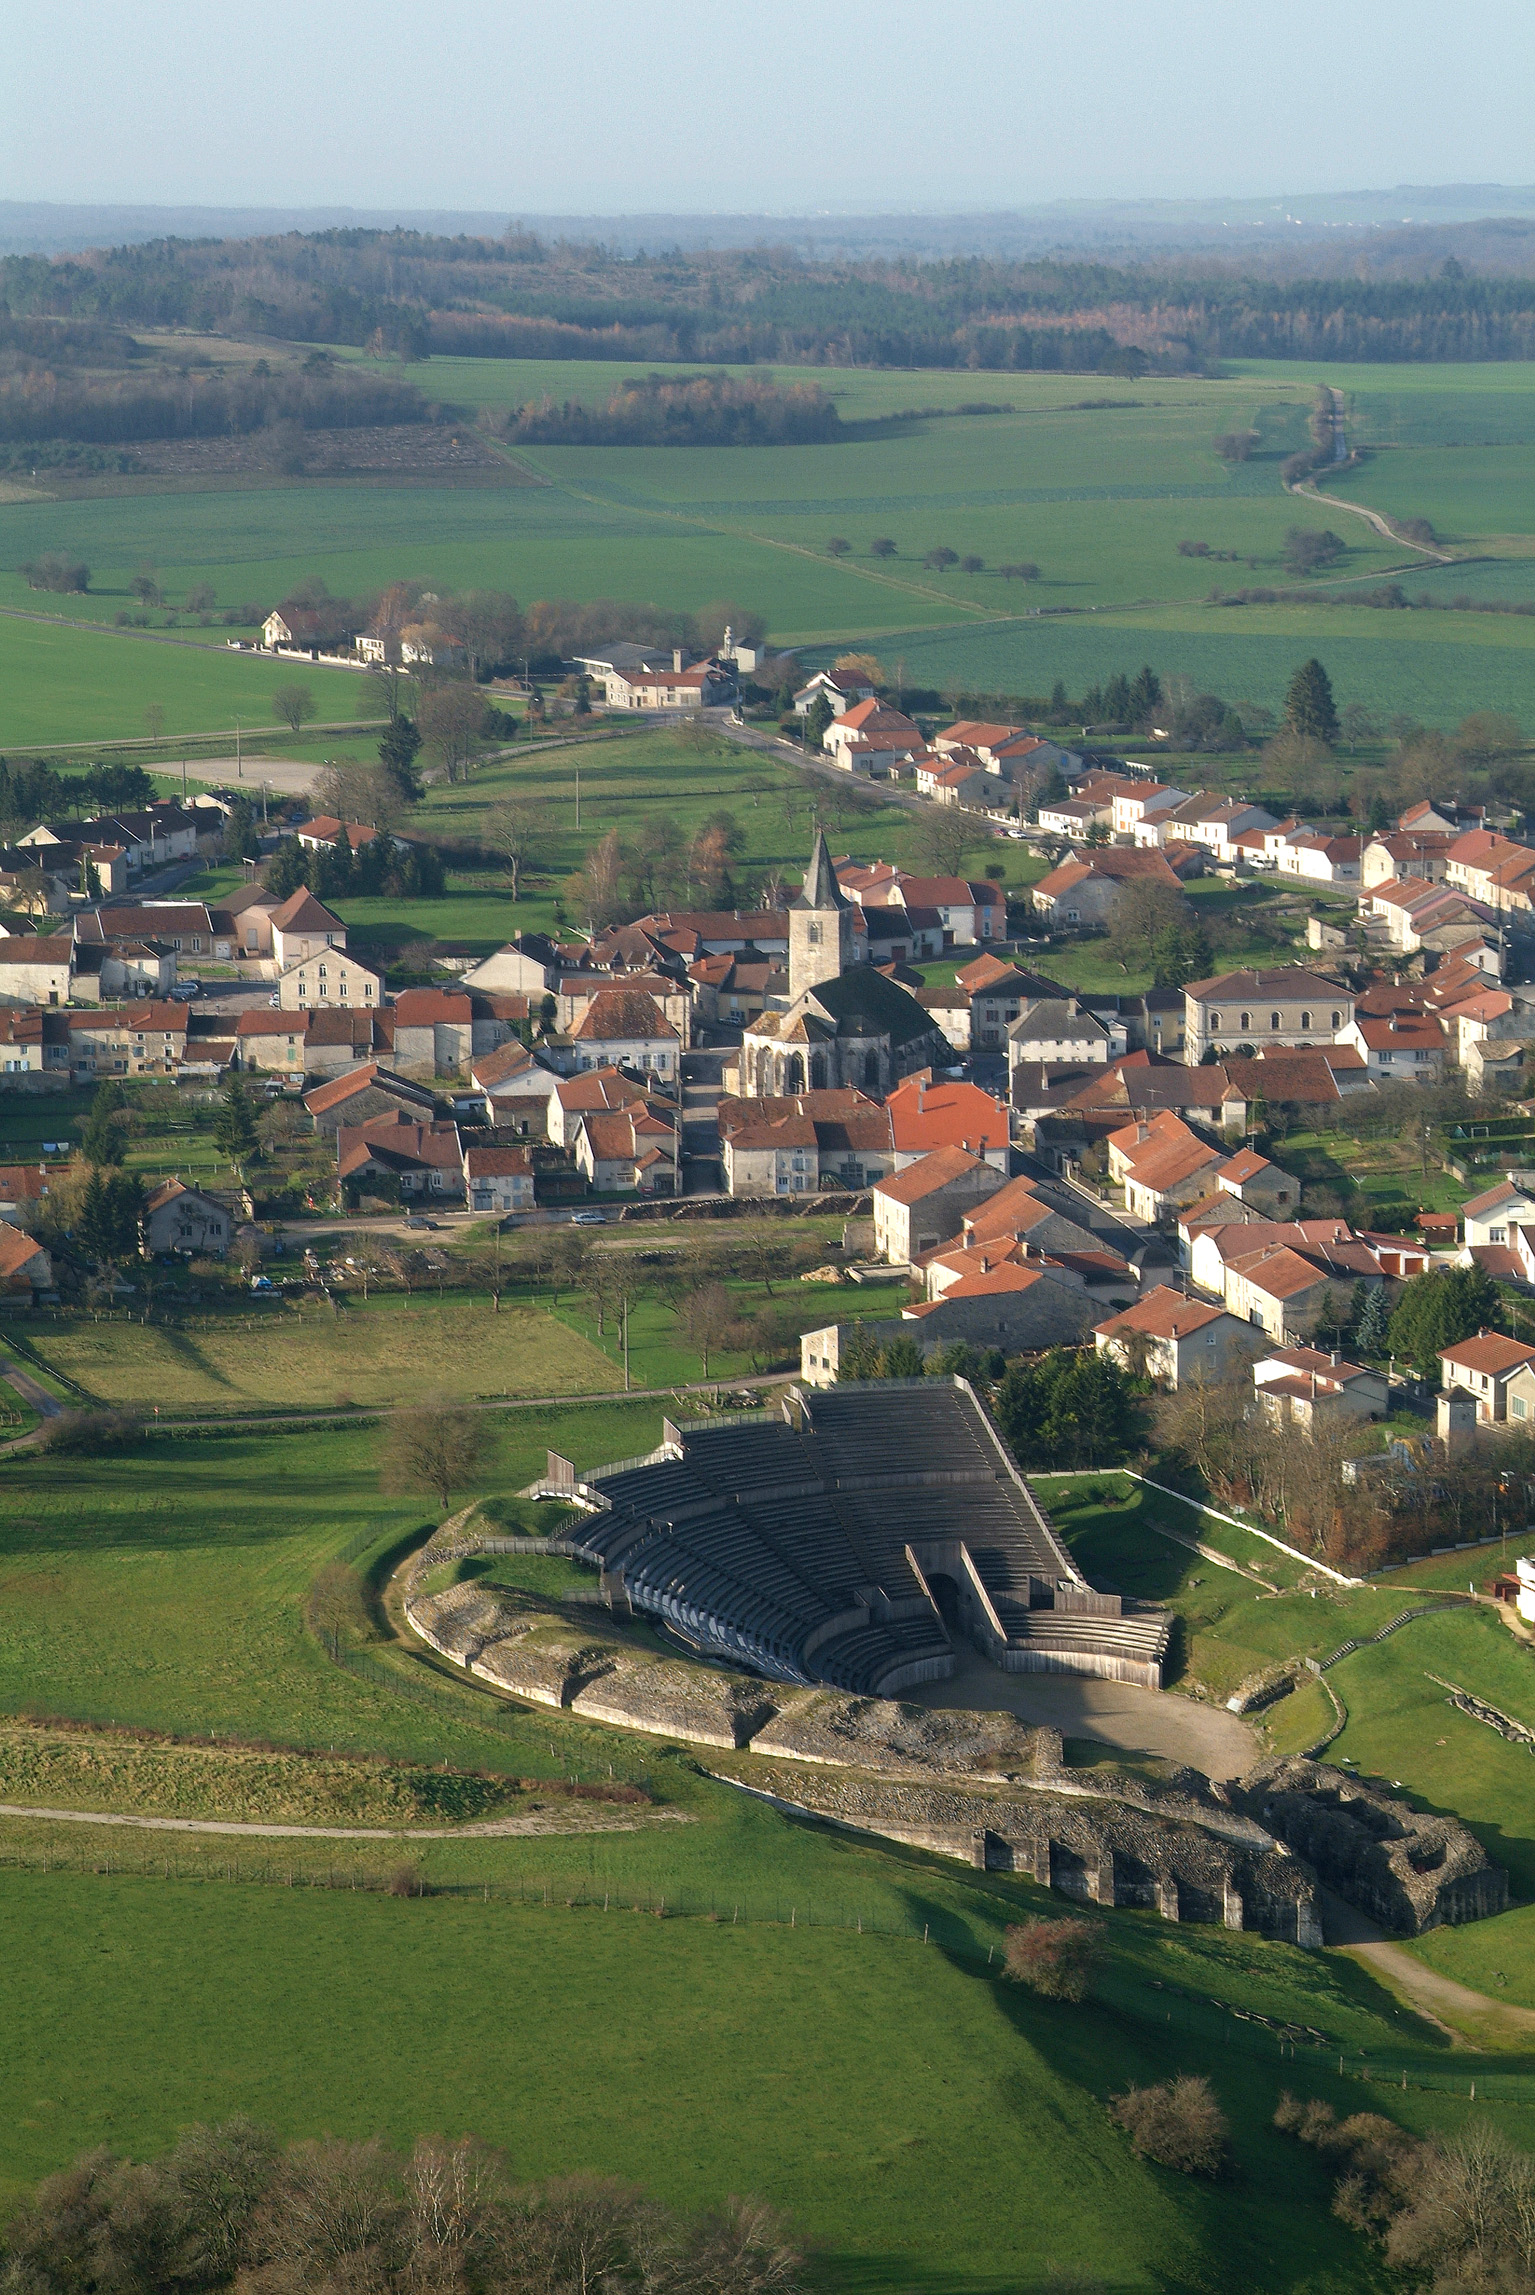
(929, 2130)
(1097, 486)
(66, 685)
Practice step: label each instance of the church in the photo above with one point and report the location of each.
(844, 1023)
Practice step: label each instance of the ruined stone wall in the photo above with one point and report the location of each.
(1094, 1851)
(1408, 1869)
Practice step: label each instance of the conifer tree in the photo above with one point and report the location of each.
(1309, 707)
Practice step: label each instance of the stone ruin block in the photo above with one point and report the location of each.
(1409, 1869)
(701, 1705)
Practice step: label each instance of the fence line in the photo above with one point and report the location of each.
(1226, 2028)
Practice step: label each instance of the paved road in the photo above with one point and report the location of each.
(1112, 1713)
(45, 1404)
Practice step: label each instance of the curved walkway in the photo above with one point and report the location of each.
(493, 1828)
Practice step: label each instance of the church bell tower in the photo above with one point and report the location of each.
(821, 925)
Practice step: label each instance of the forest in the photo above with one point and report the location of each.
(516, 296)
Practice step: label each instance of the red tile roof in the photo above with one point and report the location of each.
(620, 1015)
(1490, 1353)
(1163, 1314)
(935, 1171)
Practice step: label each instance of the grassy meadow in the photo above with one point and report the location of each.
(228, 1358)
(1095, 482)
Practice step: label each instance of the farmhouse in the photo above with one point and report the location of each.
(181, 1218)
(1484, 1367)
(499, 1179)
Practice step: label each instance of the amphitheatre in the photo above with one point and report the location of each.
(807, 1563)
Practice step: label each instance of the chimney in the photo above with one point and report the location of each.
(677, 660)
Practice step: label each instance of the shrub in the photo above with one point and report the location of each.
(1178, 2124)
(1055, 1957)
(88, 1433)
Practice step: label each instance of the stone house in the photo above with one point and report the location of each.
(1268, 1005)
(1176, 1340)
(1301, 1386)
(499, 1179)
(917, 1209)
(25, 1267)
(330, 977)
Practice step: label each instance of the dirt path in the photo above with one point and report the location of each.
(1470, 2018)
(493, 1828)
(1307, 488)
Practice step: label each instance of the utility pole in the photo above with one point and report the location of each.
(578, 796)
(626, 1343)
(239, 766)
(183, 780)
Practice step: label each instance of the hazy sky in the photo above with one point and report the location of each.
(783, 105)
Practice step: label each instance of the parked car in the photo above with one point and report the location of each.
(588, 1219)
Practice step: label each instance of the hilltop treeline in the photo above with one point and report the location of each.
(697, 410)
(409, 293)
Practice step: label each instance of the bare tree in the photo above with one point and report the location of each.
(449, 719)
(941, 839)
(570, 1250)
(294, 704)
(437, 1446)
(596, 892)
(708, 1317)
(335, 1606)
(522, 830)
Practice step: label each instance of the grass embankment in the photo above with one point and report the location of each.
(1230, 1627)
(56, 1767)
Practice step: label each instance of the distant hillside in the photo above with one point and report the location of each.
(517, 295)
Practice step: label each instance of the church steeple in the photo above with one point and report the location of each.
(820, 889)
(821, 925)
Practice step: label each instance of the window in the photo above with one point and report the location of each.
(1305, 1020)
(1274, 1020)
(1244, 1020)
(1517, 1406)
(1215, 1020)
(813, 935)
(1336, 1019)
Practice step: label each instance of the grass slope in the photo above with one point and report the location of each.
(966, 2148)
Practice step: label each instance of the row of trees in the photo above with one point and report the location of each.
(232, 2205)
(38, 791)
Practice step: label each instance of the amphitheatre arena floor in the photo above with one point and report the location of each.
(1114, 1713)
